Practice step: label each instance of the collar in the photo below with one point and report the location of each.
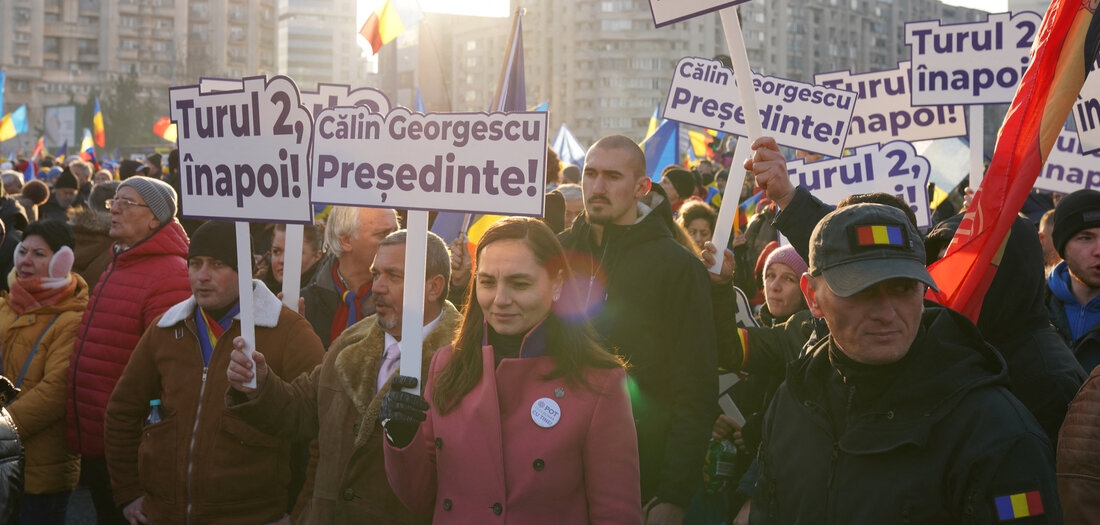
(427, 330)
(533, 344)
(267, 308)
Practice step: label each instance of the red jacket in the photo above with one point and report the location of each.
(139, 284)
(487, 461)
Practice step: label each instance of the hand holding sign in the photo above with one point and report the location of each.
(769, 168)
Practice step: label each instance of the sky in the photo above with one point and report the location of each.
(461, 7)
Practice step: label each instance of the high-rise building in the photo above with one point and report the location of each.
(603, 66)
(59, 52)
(317, 42)
(797, 39)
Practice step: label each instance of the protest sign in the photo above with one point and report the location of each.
(1086, 112)
(893, 168)
(462, 162)
(667, 12)
(244, 154)
(337, 95)
(883, 111)
(970, 63)
(1069, 168)
(799, 115)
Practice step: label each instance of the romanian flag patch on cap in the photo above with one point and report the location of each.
(1021, 505)
(878, 236)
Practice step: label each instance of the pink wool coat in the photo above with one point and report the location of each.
(486, 461)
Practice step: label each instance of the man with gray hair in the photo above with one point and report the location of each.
(574, 201)
(338, 403)
(146, 275)
(340, 294)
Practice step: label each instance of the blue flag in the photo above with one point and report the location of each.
(662, 149)
(448, 225)
(511, 92)
(64, 149)
(567, 147)
(28, 173)
(419, 102)
(2, 75)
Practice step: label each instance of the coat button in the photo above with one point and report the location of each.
(438, 443)
(349, 494)
(539, 464)
(497, 509)
(447, 504)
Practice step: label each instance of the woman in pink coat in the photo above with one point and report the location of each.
(526, 420)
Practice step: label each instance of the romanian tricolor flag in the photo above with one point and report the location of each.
(1016, 506)
(746, 210)
(700, 144)
(97, 126)
(87, 146)
(1065, 46)
(165, 129)
(39, 148)
(880, 236)
(388, 21)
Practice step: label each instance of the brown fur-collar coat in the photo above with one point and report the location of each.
(337, 405)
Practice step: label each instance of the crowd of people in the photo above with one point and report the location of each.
(571, 364)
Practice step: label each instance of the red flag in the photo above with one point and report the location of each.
(1039, 109)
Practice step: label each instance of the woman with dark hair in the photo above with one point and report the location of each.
(698, 218)
(312, 237)
(526, 417)
(38, 324)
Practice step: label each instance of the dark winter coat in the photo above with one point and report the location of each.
(650, 302)
(1086, 347)
(934, 438)
(12, 214)
(93, 244)
(11, 459)
(322, 299)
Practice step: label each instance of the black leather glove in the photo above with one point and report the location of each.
(402, 412)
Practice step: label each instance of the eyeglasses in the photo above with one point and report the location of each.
(123, 204)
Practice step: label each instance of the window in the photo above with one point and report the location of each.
(51, 44)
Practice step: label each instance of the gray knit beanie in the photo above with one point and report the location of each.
(158, 195)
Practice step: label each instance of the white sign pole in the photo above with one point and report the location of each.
(412, 320)
(244, 283)
(723, 229)
(977, 145)
(292, 265)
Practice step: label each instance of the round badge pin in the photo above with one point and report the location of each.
(545, 412)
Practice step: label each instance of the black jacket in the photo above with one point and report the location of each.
(11, 459)
(1087, 347)
(12, 214)
(934, 438)
(649, 300)
(322, 299)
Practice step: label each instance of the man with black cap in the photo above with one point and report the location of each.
(207, 466)
(1074, 300)
(63, 197)
(147, 274)
(901, 414)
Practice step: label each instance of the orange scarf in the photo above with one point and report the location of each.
(28, 294)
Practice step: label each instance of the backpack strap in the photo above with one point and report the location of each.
(34, 350)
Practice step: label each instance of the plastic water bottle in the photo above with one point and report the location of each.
(154, 412)
(719, 465)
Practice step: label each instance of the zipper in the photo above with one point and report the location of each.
(191, 449)
(80, 351)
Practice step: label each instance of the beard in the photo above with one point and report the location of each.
(387, 322)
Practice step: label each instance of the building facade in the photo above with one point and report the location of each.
(62, 52)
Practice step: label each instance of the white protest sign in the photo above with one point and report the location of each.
(883, 111)
(337, 95)
(799, 115)
(461, 162)
(244, 154)
(893, 168)
(667, 12)
(970, 63)
(1068, 168)
(1086, 111)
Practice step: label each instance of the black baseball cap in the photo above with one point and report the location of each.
(861, 245)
